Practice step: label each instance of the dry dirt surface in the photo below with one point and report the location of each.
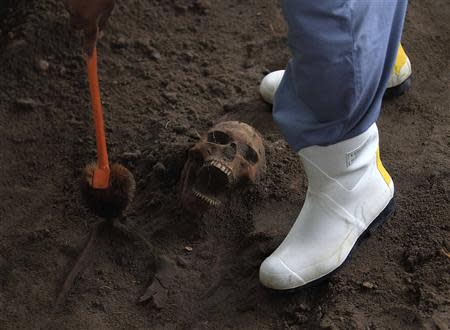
(169, 70)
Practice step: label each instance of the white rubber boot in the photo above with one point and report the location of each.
(399, 81)
(269, 85)
(349, 193)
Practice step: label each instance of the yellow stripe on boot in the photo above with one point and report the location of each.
(387, 178)
(401, 71)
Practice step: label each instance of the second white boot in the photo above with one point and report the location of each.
(399, 81)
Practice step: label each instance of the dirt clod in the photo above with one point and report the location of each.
(42, 65)
(368, 285)
(26, 104)
(110, 202)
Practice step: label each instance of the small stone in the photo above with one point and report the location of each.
(188, 248)
(159, 168)
(43, 65)
(25, 104)
(155, 55)
(171, 97)
(131, 156)
(368, 285)
(304, 307)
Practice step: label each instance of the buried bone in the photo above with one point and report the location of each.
(230, 154)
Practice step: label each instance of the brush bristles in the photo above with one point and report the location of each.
(113, 201)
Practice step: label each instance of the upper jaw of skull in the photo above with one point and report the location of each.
(222, 167)
(210, 179)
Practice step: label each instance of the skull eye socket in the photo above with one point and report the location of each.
(249, 153)
(219, 137)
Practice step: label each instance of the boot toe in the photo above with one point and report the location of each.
(275, 274)
(269, 85)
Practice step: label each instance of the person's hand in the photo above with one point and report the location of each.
(89, 16)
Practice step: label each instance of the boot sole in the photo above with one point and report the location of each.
(385, 215)
(398, 90)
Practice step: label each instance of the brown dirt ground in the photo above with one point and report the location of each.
(170, 69)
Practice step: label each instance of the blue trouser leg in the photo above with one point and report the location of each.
(343, 55)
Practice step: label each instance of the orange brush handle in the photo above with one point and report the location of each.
(101, 175)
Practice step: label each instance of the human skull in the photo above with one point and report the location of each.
(230, 154)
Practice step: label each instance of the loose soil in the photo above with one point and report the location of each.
(169, 70)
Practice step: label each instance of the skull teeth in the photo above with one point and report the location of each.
(205, 198)
(219, 165)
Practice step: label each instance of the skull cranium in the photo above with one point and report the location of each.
(229, 154)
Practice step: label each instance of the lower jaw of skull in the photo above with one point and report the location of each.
(211, 183)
